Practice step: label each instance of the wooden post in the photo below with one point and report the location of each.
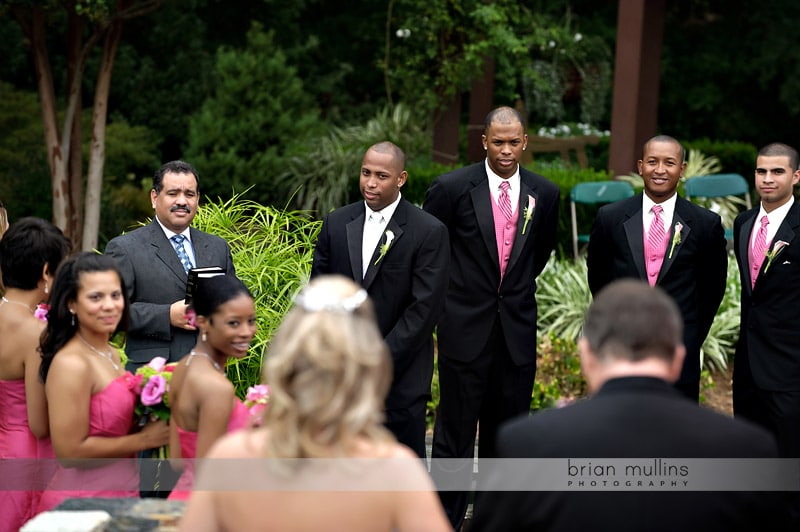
(637, 71)
(445, 133)
(480, 103)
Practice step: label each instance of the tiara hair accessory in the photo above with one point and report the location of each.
(321, 300)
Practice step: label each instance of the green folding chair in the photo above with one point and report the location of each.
(594, 193)
(719, 186)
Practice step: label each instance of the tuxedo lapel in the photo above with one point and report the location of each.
(669, 258)
(744, 249)
(394, 225)
(482, 203)
(786, 232)
(634, 234)
(355, 233)
(520, 239)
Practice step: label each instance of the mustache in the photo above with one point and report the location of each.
(180, 208)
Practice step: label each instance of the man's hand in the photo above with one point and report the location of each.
(178, 317)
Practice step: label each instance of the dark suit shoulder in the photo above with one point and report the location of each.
(696, 211)
(463, 175)
(418, 216)
(345, 213)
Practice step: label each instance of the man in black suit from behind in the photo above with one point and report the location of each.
(400, 254)
(630, 352)
(690, 263)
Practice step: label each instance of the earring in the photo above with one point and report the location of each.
(203, 336)
(46, 288)
(73, 317)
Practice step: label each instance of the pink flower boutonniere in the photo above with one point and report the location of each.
(776, 249)
(676, 238)
(528, 212)
(41, 311)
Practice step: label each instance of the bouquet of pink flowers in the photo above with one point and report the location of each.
(256, 401)
(152, 384)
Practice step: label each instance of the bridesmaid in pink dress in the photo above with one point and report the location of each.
(29, 255)
(202, 400)
(90, 396)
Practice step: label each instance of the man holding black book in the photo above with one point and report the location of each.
(155, 261)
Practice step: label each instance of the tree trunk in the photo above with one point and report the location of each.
(75, 163)
(97, 148)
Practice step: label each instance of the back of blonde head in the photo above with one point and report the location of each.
(329, 370)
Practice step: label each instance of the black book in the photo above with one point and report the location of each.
(197, 273)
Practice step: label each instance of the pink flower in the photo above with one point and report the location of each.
(257, 393)
(191, 317)
(158, 363)
(153, 391)
(41, 311)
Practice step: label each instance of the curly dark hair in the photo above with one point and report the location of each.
(60, 327)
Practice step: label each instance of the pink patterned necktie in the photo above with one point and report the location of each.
(758, 251)
(504, 201)
(656, 241)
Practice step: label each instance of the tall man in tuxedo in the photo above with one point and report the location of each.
(154, 267)
(502, 223)
(630, 352)
(400, 254)
(681, 249)
(766, 368)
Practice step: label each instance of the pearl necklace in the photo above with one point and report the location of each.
(194, 353)
(108, 355)
(17, 303)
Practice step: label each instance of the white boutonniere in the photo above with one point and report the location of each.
(676, 238)
(776, 249)
(385, 247)
(528, 212)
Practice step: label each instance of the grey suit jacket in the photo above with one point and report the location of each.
(154, 279)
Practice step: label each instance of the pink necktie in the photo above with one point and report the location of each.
(758, 251)
(504, 201)
(656, 241)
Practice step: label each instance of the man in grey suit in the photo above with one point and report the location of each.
(154, 261)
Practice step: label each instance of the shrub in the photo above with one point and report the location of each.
(272, 252)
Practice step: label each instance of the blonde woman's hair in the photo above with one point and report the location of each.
(329, 371)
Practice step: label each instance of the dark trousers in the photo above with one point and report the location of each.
(689, 381)
(488, 390)
(776, 411)
(408, 425)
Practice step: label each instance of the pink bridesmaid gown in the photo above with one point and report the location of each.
(22, 476)
(240, 418)
(110, 416)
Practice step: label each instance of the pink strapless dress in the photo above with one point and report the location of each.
(23, 476)
(240, 418)
(110, 416)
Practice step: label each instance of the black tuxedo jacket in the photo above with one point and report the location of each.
(694, 276)
(476, 297)
(632, 417)
(769, 336)
(154, 279)
(407, 285)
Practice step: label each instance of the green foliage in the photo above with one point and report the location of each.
(566, 178)
(720, 344)
(420, 176)
(698, 164)
(558, 374)
(563, 297)
(734, 157)
(326, 176)
(25, 187)
(272, 253)
(259, 110)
